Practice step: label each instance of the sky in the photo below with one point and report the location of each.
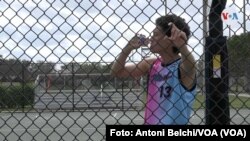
(93, 30)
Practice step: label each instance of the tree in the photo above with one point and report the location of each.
(42, 67)
(92, 72)
(87, 68)
(14, 70)
(239, 57)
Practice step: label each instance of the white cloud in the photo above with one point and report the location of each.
(17, 21)
(100, 19)
(45, 51)
(88, 31)
(9, 13)
(30, 20)
(4, 21)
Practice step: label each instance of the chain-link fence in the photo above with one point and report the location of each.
(57, 55)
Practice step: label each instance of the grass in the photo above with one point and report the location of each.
(236, 102)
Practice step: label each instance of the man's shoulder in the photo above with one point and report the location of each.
(146, 63)
(150, 60)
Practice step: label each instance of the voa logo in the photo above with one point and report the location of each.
(230, 16)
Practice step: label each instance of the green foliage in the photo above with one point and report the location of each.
(239, 53)
(235, 102)
(2, 96)
(16, 96)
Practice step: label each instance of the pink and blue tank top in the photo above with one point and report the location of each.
(168, 101)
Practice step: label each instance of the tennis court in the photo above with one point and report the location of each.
(56, 57)
(84, 125)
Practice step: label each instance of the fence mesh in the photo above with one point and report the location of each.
(56, 58)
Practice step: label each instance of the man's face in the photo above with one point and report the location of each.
(158, 42)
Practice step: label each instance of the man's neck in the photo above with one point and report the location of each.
(167, 59)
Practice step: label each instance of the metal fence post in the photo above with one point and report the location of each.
(23, 83)
(216, 64)
(73, 85)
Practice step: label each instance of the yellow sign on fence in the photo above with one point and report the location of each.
(217, 66)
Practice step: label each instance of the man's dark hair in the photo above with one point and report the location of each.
(179, 22)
